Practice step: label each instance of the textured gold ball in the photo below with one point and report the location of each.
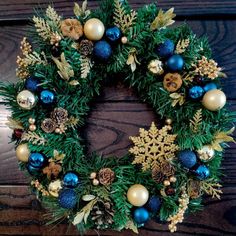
(26, 100)
(54, 187)
(31, 120)
(95, 182)
(166, 183)
(57, 130)
(93, 175)
(94, 29)
(168, 121)
(137, 195)
(173, 179)
(32, 128)
(214, 100)
(124, 40)
(23, 152)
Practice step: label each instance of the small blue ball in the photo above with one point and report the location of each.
(67, 198)
(141, 215)
(210, 86)
(154, 204)
(175, 63)
(165, 49)
(32, 170)
(196, 92)
(36, 160)
(32, 84)
(113, 34)
(202, 172)
(47, 97)
(71, 180)
(187, 158)
(102, 50)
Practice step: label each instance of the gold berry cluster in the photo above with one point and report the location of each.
(39, 187)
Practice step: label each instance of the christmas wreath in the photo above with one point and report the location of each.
(169, 167)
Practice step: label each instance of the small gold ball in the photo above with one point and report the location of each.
(32, 128)
(166, 183)
(173, 179)
(95, 182)
(124, 40)
(94, 29)
(23, 152)
(93, 175)
(31, 120)
(168, 121)
(57, 130)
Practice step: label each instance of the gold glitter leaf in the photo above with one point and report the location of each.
(196, 122)
(81, 11)
(14, 124)
(33, 138)
(53, 17)
(178, 98)
(86, 66)
(182, 46)
(211, 188)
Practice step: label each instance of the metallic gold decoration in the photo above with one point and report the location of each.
(137, 195)
(94, 29)
(23, 152)
(54, 187)
(156, 67)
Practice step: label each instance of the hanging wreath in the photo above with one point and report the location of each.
(169, 167)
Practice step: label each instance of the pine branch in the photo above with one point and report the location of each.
(196, 122)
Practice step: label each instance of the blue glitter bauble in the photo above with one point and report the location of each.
(175, 63)
(33, 170)
(165, 49)
(71, 180)
(36, 160)
(196, 92)
(113, 34)
(210, 86)
(47, 97)
(187, 158)
(32, 84)
(67, 198)
(102, 50)
(141, 215)
(202, 172)
(154, 204)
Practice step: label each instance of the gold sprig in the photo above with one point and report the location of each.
(34, 138)
(178, 98)
(81, 11)
(72, 122)
(182, 46)
(39, 187)
(57, 157)
(122, 19)
(132, 60)
(36, 58)
(196, 122)
(211, 188)
(42, 27)
(86, 66)
(54, 18)
(14, 124)
(163, 19)
(130, 225)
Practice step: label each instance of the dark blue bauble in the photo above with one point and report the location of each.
(210, 86)
(202, 172)
(154, 204)
(141, 215)
(196, 92)
(113, 34)
(32, 170)
(36, 160)
(175, 63)
(102, 50)
(47, 97)
(71, 180)
(187, 158)
(67, 198)
(32, 84)
(165, 49)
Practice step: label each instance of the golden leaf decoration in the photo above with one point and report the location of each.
(36, 58)
(53, 17)
(196, 122)
(132, 60)
(182, 46)
(42, 27)
(178, 98)
(81, 11)
(130, 225)
(14, 124)
(34, 138)
(86, 66)
(163, 19)
(211, 188)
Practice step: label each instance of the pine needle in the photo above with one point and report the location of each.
(196, 122)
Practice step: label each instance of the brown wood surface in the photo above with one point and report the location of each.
(116, 115)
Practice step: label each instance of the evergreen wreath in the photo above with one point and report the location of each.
(170, 166)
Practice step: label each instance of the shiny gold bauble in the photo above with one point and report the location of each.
(137, 195)
(94, 29)
(206, 153)
(124, 40)
(31, 120)
(54, 187)
(166, 183)
(168, 121)
(26, 100)
(23, 152)
(95, 182)
(214, 100)
(93, 175)
(32, 128)
(173, 179)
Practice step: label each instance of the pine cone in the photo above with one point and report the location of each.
(59, 115)
(162, 172)
(106, 176)
(86, 47)
(157, 175)
(48, 125)
(194, 188)
(167, 169)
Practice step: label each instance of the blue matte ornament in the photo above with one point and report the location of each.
(102, 50)
(165, 49)
(67, 198)
(196, 92)
(32, 84)
(71, 180)
(113, 34)
(210, 86)
(154, 204)
(187, 158)
(47, 97)
(141, 215)
(33, 170)
(36, 160)
(202, 172)
(175, 63)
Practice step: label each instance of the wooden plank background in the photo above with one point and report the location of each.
(116, 115)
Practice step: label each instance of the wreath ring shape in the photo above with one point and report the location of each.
(169, 167)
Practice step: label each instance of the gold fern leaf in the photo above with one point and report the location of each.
(196, 122)
(182, 46)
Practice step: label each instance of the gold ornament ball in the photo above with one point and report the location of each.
(32, 128)
(173, 179)
(214, 100)
(137, 195)
(95, 182)
(206, 153)
(54, 187)
(31, 120)
(57, 130)
(166, 183)
(93, 175)
(26, 100)
(94, 29)
(168, 121)
(124, 40)
(23, 152)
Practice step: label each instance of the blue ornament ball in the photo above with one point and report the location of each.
(154, 204)
(187, 158)
(165, 49)
(202, 172)
(141, 215)
(175, 63)
(32, 84)
(67, 198)
(102, 50)
(47, 97)
(71, 180)
(210, 86)
(36, 160)
(196, 92)
(33, 170)
(113, 34)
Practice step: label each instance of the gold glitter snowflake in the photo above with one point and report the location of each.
(153, 147)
